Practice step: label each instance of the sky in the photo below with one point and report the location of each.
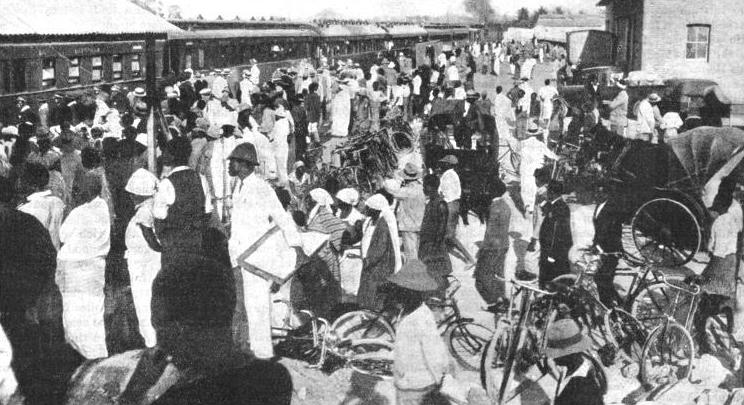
(307, 9)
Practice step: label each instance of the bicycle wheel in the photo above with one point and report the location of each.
(654, 300)
(466, 342)
(493, 361)
(356, 325)
(625, 332)
(667, 355)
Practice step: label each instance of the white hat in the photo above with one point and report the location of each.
(321, 197)
(139, 92)
(142, 182)
(348, 195)
(453, 59)
(391, 65)
(205, 91)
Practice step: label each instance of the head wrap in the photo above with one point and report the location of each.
(348, 195)
(142, 183)
(380, 203)
(322, 199)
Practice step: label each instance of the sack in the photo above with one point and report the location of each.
(456, 391)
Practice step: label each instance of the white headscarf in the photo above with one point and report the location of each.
(322, 199)
(380, 203)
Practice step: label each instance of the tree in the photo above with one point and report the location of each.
(559, 10)
(481, 10)
(523, 14)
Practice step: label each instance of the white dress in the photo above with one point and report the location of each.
(341, 113)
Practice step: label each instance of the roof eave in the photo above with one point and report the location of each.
(603, 3)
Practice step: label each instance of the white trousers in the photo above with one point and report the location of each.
(257, 300)
(141, 275)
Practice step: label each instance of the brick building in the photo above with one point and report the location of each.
(681, 38)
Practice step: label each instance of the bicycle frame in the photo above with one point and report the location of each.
(519, 333)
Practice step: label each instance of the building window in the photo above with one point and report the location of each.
(698, 41)
(136, 70)
(96, 71)
(48, 79)
(116, 67)
(73, 74)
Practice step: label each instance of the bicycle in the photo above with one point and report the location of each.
(465, 338)
(518, 343)
(670, 349)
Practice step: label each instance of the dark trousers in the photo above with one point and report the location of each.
(490, 263)
(550, 269)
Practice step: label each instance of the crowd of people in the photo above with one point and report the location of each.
(232, 165)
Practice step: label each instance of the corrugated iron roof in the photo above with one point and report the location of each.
(563, 20)
(350, 30)
(558, 34)
(78, 17)
(241, 33)
(405, 30)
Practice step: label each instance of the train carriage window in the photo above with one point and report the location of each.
(187, 61)
(136, 68)
(116, 67)
(200, 54)
(73, 73)
(48, 77)
(96, 71)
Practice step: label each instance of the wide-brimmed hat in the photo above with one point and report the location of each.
(654, 98)
(622, 84)
(414, 276)
(470, 94)
(411, 171)
(139, 92)
(253, 61)
(565, 338)
(225, 71)
(348, 195)
(242, 107)
(205, 91)
(142, 183)
(451, 159)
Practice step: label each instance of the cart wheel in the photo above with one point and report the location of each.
(632, 255)
(666, 232)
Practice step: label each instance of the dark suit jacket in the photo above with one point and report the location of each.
(582, 391)
(555, 231)
(188, 93)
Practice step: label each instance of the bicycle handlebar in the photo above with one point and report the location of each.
(523, 285)
(694, 288)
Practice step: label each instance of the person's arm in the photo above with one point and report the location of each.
(163, 199)
(152, 240)
(8, 382)
(207, 195)
(436, 356)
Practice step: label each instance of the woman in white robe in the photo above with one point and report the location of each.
(81, 265)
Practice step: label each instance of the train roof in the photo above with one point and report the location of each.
(405, 30)
(79, 17)
(439, 30)
(351, 31)
(243, 33)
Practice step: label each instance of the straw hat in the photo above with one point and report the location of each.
(142, 183)
(411, 171)
(654, 98)
(205, 91)
(139, 92)
(414, 276)
(533, 128)
(565, 338)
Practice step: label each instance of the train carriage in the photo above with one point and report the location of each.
(66, 47)
(234, 48)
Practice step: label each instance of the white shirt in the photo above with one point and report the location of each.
(137, 246)
(725, 230)
(8, 383)
(256, 209)
(246, 88)
(416, 82)
(534, 153)
(452, 73)
(85, 234)
(547, 93)
(502, 107)
(581, 371)
(218, 85)
(255, 75)
(166, 195)
(460, 93)
(48, 209)
(646, 120)
(449, 186)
